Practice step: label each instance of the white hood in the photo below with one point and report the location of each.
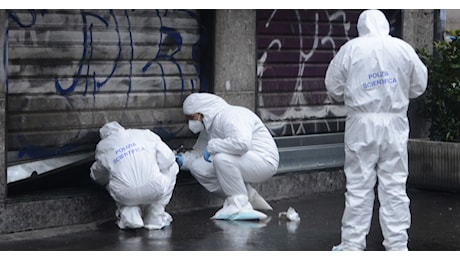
(205, 103)
(373, 23)
(110, 128)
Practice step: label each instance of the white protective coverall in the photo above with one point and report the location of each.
(139, 171)
(242, 152)
(375, 75)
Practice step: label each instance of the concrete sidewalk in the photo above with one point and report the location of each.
(435, 227)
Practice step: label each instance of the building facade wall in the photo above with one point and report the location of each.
(156, 105)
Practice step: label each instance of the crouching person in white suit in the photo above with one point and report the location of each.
(139, 171)
(234, 149)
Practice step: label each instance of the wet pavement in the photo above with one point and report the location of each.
(435, 227)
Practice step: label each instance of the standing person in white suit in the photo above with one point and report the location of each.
(139, 172)
(375, 75)
(234, 149)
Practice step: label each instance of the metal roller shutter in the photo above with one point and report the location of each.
(294, 50)
(70, 71)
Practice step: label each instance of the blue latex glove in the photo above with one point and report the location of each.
(179, 160)
(206, 155)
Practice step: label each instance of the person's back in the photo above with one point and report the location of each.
(375, 75)
(130, 156)
(127, 151)
(382, 71)
(139, 172)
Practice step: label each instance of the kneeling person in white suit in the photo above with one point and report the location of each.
(139, 171)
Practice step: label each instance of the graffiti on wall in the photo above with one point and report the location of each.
(60, 62)
(112, 29)
(313, 38)
(295, 47)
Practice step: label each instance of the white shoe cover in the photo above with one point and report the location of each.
(156, 217)
(257, 201)
(129, 217)
(242, 215)
(159, 221)
(226, 212)
(238, 208)
(342, 247)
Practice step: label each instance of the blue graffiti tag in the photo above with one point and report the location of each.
(168, 36)
(84, 73)
(86, 28)
(171, 36)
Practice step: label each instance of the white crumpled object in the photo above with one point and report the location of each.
(290, 215)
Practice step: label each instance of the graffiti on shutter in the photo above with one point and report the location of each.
(71, 71)
(294, 50)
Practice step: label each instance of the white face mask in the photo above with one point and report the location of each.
(195, 126)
